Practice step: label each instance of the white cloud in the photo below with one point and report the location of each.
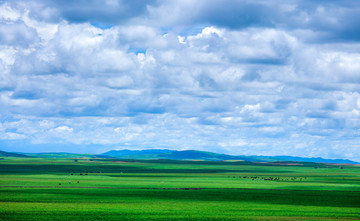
(46, 124)
(272, 129)
(250, 108)
(188, 81)
(8, 13)
(128, 133)
(234, 143)
(62, 130)
(17, 34)
(12, 136)
(207, 32)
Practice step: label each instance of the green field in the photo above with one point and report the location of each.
(110, 189)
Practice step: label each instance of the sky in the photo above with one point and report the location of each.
(241, 77)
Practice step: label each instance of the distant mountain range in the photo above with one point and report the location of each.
(174, 155)
(177, 155)
(313, 160)
(203, 155)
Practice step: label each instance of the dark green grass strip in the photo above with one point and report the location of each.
(60, 168)
(289, 197)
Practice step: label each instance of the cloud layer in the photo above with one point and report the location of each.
(264, 78)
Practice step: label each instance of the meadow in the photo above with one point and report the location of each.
(109, 189)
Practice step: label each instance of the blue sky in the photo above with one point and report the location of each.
(238, 77)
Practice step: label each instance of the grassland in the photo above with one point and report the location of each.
(172, 190)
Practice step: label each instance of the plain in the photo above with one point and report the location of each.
(110, 189)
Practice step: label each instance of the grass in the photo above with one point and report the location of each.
(175, 190)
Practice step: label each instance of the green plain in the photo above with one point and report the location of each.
(175, 190)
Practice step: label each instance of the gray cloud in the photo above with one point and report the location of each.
(102, 13)
(330, 20)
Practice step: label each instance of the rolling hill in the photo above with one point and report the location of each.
(9, 154)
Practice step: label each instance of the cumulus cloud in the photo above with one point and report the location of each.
(240, 78)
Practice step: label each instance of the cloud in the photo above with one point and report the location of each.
(328, 21)
(94, 11)
(63, 130)
(17, 34)
(12, 136)
(236, 78)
